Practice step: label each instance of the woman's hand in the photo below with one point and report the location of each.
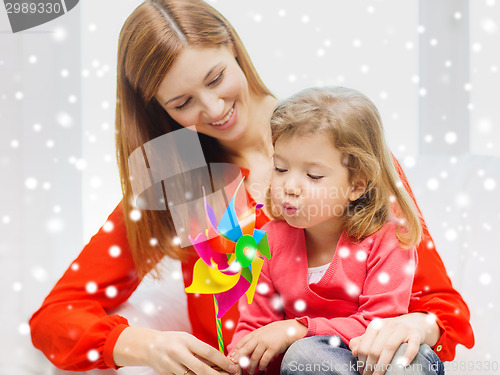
(261, 345)
(376, 347)
(170, 353)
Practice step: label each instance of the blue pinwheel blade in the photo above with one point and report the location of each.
(229, 226)
(258, 235)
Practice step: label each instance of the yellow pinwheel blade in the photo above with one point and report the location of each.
(256, 267)
(207, 280)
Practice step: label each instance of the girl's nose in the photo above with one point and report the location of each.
(292, 186)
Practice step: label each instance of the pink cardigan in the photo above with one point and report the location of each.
(365, 280)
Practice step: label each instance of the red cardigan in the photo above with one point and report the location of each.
(349, 295)
(73, 319)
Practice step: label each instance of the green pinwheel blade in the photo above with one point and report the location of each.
(263, 247)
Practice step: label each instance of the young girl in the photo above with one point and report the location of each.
(339, 260)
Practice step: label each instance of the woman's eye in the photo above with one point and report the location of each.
(180, 107)
(314, 177)
(279, 170)
(218, 78)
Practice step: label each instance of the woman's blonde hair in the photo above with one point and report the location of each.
(353, 123)
(150, 41)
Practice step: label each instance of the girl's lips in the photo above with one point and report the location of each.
(289, 209)
(230, 122)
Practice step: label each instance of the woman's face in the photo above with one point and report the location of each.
(205, 87)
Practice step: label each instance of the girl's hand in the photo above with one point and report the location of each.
(376, 347)
(170, 353)
(261, 345)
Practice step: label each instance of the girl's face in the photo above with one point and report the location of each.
(205, 87)
(310, 186)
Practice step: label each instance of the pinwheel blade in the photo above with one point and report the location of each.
(207, 280)
(263, 247)
(258, 234)
(205, 251)
(230, 297)
(256, 268)
(229, 225)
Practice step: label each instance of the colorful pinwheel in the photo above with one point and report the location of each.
(231, 257)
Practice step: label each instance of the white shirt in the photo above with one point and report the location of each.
(314, 274)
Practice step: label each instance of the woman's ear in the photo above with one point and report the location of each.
(358, 189)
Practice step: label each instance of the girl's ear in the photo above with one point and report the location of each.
(358, 189)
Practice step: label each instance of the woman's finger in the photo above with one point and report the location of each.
(386, 349)
(414, 341)
(212, 355)
(353, 345)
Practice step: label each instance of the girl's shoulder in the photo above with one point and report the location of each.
(280, 234)
(276, 227)
(387, 235)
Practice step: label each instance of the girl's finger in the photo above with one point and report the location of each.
(266, 358)
(255, 358)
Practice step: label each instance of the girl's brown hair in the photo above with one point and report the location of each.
(355, 127)
(150, 41)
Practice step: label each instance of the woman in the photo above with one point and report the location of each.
(181, 63)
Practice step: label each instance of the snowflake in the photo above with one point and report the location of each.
(91, 287)
(489, 184)
(383, 278)
(31, 183)
(244, 362)
(485, 278)
(135, 215)
(299, 305)
(111, 292)
(361, 255)
(93, 355)
(262, 288)
(108, 226)
(334, 341)
(344, 252)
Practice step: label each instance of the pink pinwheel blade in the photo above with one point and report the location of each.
(202, 247)
(230, 297)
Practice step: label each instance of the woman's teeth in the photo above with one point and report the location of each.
(225, 119)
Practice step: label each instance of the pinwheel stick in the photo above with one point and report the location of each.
(219, 327)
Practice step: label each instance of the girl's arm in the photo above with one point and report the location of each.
(385, 293)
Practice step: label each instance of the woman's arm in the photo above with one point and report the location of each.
(72, 327)
(169, 352)
(438, 315)
(435, 295)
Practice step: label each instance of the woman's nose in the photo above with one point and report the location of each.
(213, 107)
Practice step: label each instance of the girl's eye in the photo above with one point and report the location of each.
(180, 107)
(279, 170)
(313, 177)
(218, 78)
